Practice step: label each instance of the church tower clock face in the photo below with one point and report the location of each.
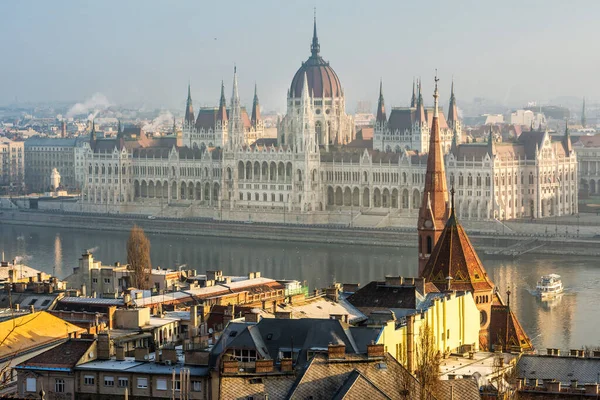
(428, 224)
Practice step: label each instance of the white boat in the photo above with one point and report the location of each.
(549, 286)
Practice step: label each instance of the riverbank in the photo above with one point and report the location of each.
(333, 234)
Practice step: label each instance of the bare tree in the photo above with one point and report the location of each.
(427, 362)
(138, 258)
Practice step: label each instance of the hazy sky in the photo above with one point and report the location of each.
(145, 52)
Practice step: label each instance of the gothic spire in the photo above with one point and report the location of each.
(491, 145)
(222, 113)
(567, 139)
(381, 117)
(255, 108)
(189, 109)
(413, 99)
(583, 118)
(433, 213)
(315, 48)
(454, 145)
(236, 127)
(420, 106)
(452, 109)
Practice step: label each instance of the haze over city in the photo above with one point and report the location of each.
(144, 53)
(299, 200)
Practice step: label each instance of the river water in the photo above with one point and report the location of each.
(571, 321)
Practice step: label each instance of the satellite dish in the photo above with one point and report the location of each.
(210, 330)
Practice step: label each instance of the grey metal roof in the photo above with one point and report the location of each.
(58, 142)
(563, 369)
(270, 335)
(91, 300)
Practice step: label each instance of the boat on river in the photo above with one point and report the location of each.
(549, 286)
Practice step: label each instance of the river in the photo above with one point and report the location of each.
(571, 321)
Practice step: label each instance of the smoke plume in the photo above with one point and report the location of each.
(165, 117)
(93, 249)
(21, 259)
(92, 106)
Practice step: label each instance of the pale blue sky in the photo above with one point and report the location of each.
(144, 52)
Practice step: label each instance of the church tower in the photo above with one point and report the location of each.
(433, 213)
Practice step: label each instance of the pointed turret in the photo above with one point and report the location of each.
(255, 108)
(452, 109)
(305, 94)
(583, 118)
(567, 139)
(189, 109)
(381, 117)
(413, 99)
(491, 145)
(93, 135)
(222, 113)
(420, 117)
(236, 125)
(433, 213)
(315, 47)
(455, 140)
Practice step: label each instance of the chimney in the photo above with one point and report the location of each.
(257, 274)
(230, 367)
(141, 354)
(283, 314)
(375, 351)
(286, 365)
(103, 346)
(251, 275)
(263, 366)
(83, 290)
(252, 316)
(350, 287)
(194, 316)
(111, 316)
(39, 276)
(332, 293)
(11, 275)
(553, 387)
(336, 351)
(574, 383)
(591, 388)
(120, 353)
(394, 280)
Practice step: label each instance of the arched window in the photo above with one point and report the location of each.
(429, 244)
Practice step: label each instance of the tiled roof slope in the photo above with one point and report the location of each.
(63, 356)
(323, 378)
(506, 330)
(454, 256)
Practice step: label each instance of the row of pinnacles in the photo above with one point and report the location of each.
(407, 128)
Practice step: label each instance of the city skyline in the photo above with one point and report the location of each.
(73, 54)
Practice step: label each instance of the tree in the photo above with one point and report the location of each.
(138, 258)
(427, 362)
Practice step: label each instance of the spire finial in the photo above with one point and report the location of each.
(435, 96)
(508, 296)
(315, 47)
(380, 87)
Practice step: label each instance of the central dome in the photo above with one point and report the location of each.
(322, 79)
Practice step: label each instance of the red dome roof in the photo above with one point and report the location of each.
(322, 79)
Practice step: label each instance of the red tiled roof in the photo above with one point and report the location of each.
(454, 256)
(505, 330)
